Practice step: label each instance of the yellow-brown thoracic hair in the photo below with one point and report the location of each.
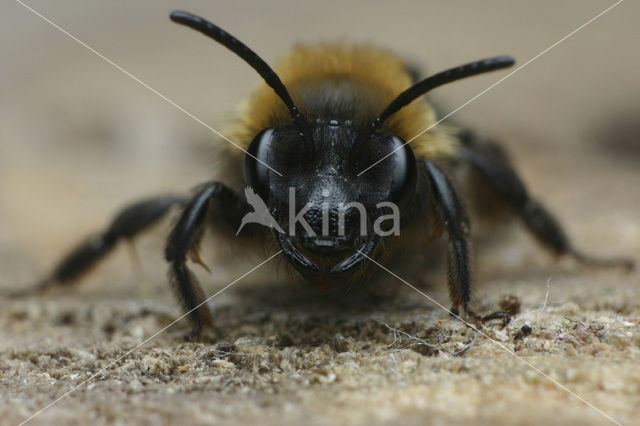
(366, 80)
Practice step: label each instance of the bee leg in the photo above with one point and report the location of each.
(127, 224)
(184, 240)
(492, 164)
(456, 223)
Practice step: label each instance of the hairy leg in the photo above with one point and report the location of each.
(126, 225)
(456, 223)
(183, 243)
(494, 167)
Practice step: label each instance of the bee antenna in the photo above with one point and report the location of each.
(429, 83)
(250, 57)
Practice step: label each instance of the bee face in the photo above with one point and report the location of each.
(325, 208)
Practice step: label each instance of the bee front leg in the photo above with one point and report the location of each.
(183, 242)
(456, 223)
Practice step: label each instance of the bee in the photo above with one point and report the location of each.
(335, 161)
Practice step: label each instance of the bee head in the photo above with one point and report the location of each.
(330, 217)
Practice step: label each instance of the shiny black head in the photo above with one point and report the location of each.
(331, 218)
(308, 174)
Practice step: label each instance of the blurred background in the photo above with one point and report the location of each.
(79, 138)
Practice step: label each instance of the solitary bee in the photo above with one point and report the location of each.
(328, 131)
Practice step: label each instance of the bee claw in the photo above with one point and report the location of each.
(194, 255)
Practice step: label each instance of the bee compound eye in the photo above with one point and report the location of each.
(404, 172)
(256, 170)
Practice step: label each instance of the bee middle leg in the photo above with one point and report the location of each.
(126, 225)
(494, 167)
(456, 223)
